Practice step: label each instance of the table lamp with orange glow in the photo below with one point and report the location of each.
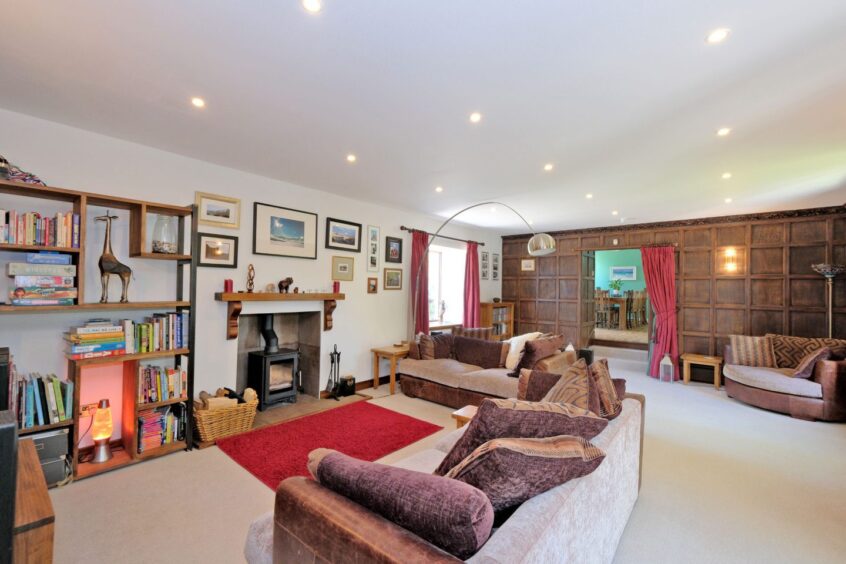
(101, 432)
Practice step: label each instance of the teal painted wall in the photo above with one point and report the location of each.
(624, 257)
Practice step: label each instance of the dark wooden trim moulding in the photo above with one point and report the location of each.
(761, 216)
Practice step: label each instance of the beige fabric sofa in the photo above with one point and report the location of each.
(580, 521)
(449, 382)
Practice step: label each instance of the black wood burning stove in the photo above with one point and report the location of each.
(274, 372)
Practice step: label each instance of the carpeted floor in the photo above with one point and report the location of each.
(723, 482)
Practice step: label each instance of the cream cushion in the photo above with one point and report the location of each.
(516, 345)
(774, 380)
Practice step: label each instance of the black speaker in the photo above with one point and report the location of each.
(8, 484)
(586, 354)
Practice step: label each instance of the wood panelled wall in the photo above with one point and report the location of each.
(773, 290)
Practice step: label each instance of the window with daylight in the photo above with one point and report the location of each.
(446, 285)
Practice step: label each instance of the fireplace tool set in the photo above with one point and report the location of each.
(337, 386)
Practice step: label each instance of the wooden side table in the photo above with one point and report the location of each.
(464, 415)
(714, 361)
(392, 354)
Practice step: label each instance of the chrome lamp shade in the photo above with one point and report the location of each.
(541, 244)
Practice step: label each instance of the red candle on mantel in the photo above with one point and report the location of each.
(228, 285)
(336, 287)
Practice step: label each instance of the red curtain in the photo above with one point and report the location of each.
(420, 305)
(659, 270)
(471, 286)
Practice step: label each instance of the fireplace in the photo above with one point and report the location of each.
(274, 376)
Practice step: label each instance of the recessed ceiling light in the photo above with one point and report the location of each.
(726, 175)
(198, 102)
(439, 188)
(531, 222)
(312, 6)
(615, 212)
(588, 196)
(475, 117)
(727, 200)
(548, 166)
(723, 131)
(718, 35)
(493, 209)
(351, 158)
(622, 220)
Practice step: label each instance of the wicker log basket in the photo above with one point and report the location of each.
(213, 424)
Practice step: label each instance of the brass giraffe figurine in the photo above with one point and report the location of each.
(109, 264)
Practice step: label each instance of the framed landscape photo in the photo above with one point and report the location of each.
(623, 273)
(372, 248)
(494, 266)
(393, 250)
(393, 279)
(219, 211)
(527, 265)
(343, 235)
(372, 285)
(284, 232)
(343, 268)
(218, 250)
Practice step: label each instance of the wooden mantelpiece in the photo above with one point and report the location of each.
(234, 305)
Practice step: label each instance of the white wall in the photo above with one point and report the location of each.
(74, 158)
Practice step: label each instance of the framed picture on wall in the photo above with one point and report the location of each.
(219, 211)
(527, 265)
(393, 250)
(372, 285)
(485, 265)
(494, 266)
(623, 273)
(343, 235)
(393, 279)
(372, 248)
(218, 250)
(343, 268)
(284, 232)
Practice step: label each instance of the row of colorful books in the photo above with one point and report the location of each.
(31, 228)
(159, 383)
(43, 283)
(104, 337)
(158, 427)
(41, 400)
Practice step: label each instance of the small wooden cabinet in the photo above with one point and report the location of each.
(500, 316)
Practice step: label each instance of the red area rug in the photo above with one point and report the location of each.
(362, 430)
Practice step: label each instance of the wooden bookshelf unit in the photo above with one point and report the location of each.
(185, 261)
(500, 316)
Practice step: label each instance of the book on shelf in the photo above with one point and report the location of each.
(159, 383)
(32, 228)
(162, 426)
(27, 269)
(40, 399)
(44, 282)
(104, 337)
(42, 293)
(42, 301)
(48, 257)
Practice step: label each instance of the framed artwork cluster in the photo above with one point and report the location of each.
(485, 266)
(494, 266)
(287, 232)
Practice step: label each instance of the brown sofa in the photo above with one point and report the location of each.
(455, 384)
(821, 397)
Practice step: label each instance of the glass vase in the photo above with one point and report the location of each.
(164, 235)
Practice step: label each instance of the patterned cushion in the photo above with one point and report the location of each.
(517, 344)
(575, 387)
(435, 346)
(533, 385)
(448, 513)
(485, 354)
(502, 418)
(484, 333)
(513, 470)
(805, 369)
(537, 350)
(752, 351)
(609, 404)
(789, 351)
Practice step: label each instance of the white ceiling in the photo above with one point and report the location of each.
(624, 96)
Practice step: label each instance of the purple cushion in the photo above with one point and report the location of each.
(534, 384)
(511, 471)
(487, 354)
(537, 350)
(806, 366)
(510, 418)
(448, 513)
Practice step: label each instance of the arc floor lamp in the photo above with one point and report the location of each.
(539, 245)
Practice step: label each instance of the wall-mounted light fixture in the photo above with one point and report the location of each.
(731, 260)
